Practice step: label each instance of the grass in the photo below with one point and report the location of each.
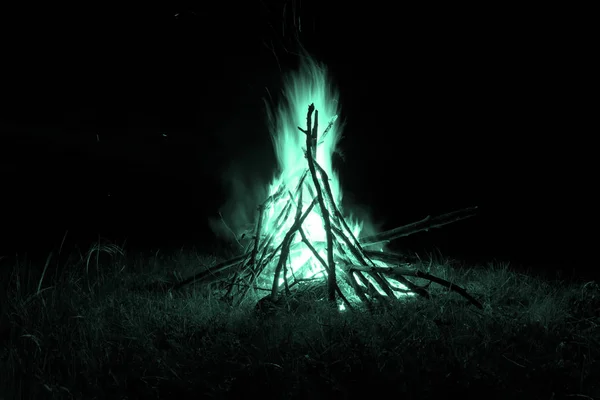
(101, 325)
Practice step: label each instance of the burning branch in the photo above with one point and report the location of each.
(311, 148)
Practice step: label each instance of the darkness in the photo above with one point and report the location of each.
(123, 122)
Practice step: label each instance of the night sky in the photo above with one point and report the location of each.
(134, 123)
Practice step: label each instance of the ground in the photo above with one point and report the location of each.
(106, 327)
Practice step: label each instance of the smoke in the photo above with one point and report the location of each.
(245, 189)
(243, 157)
(363, 215)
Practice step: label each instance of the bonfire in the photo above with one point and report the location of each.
(302, 235)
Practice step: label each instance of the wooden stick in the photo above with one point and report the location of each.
(311, 143)
(389, 257)
(423, 225)
(395, 271)
(324, 264)
(336, 210)
(296, 219)
(279, 222)
(329, 126)
(285, 249)
(261, 212)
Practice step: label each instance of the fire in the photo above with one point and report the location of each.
(301, 232)
(308, 85)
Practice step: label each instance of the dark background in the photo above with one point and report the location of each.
(129, 123)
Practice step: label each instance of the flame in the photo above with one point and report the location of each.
(307, 85)
(303, 87)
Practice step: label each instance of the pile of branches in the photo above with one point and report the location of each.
(347, 257)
